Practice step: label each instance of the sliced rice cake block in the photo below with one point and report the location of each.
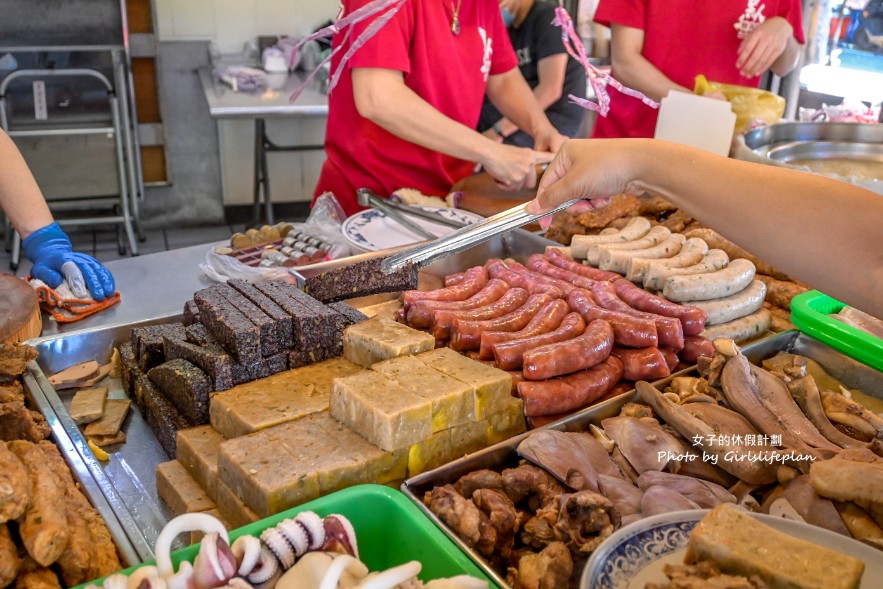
(350, 314)
(191, 314)
(452, 400)
(198, 335)
(186, 386)
(314, 326)
(507, 423)
(233, 510)
(270, 330)
(229, 325)
(360, 279)
(491, 386)
(381, 411)
(214, 362)
(161, 415)
(197, 449)
(468, 438)
(281, 319)
(147, 342)
(379, 339)
(129, 369)
(430, 453)
(285, 396)
(179, 490)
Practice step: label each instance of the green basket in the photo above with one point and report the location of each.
(810, 313)
(390, 530)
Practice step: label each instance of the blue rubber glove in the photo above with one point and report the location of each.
(51, 252)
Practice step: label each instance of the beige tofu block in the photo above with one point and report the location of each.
(233, 510)
(381, 411)
(491, 387)
(178, 489)
(453, 401)
(282, 397)
(88, 405)
(198, 536)
(265, 474)
(197, 451)
(430, 453)
(468, 438)
(507, 423)
(379, 339)
(392, 466)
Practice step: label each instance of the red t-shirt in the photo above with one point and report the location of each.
(448, 71)
(685, 38)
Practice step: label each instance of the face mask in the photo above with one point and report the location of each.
(508, 17)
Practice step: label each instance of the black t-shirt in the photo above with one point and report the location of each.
(536, 39)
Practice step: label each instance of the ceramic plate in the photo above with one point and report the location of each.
(370, 230)
(635, 555)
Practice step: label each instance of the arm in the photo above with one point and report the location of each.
(632, 69)
(822, 231)
(512, 96)
(20, 197)
(382, 97)
(770, 45)
(550, 71)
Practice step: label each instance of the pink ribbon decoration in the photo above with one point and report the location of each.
(598, 78)
(371, 9)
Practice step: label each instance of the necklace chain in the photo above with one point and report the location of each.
(455, 22)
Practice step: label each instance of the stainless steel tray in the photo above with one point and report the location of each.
(851, 373)
(123, 490)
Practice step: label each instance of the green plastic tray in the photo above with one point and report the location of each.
(390, 531)
(809, 312)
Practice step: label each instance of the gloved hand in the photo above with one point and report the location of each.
(51, 252)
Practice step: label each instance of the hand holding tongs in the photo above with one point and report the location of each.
(466, 237)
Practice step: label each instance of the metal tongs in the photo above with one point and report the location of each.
(466, 237)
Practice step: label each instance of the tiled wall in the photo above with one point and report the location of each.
(229, 24)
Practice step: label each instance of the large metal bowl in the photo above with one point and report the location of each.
(841, 149)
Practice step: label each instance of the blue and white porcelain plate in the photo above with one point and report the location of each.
(635, 555)
(370, 230)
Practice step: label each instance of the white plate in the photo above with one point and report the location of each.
(635, 555)
(370, 230)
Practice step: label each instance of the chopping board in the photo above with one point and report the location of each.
(481, 195)
(20, 317)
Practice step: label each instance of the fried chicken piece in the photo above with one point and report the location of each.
(9, 560)
(17, 422)
(502, 515)
(15, 486)
(43, 527)
(549, 569)
(467, 484)
(34, 576)
(566, 225)
(780, 292)
(11, 391)
(99, 549)
(14, 359)
(650, 205)
(677, 221)
(458, 513)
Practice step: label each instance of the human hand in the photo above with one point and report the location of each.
(493, 135)
(549, 140)
(590, 169)
(53, 257)
(515, 168)
(763, 46)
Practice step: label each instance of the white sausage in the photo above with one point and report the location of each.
(741, 329)
(711, 285)
(744, 302)
(618, 260)
(691, 253)
(580, 244)
(654, 236)
(713, 261)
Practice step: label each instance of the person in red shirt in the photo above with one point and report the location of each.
(404, 111)
(662, 45)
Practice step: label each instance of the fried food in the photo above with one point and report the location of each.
(15, 486)
(17, 422)
(780, 292)
(14, 359)
(9, 560)
(34, 576)
(565, 225)
(549, 569)
(43, 527)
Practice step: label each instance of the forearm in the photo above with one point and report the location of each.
(514, 99)
(638, 73)
(546, 96)
(20, 197)
(787, 61)
(782, 216)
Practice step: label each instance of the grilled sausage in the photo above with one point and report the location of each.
(540, 263)
(628, 330)
(692, 319)
(466, 333)
(498, 269)
(443, 319)
(547, 319)
(510, 355)
(560, 259)
(571, 392)
(579, 353)
(695, 346)
(669, 330)
(419, 314)
(642, 363)
(470, 282)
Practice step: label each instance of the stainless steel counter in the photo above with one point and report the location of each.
(151, 287)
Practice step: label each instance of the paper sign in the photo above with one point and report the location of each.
(698, 121)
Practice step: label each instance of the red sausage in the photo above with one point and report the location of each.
(668, 329)
(443, 319)
(692, 318)
(517, 377)
(473, 280)
(547, 319)
(419, 314)
(510, 355)
(560, 259)
(695, 346)
(571, 392)
(671, 358)
(579, 353)
(454, 279)
(539, 263)
(562, 285)
(642, 363)
(627, 329)
(466, 333)
(498, 269)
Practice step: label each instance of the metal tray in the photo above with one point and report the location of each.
(851, 373)
(123, 490)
